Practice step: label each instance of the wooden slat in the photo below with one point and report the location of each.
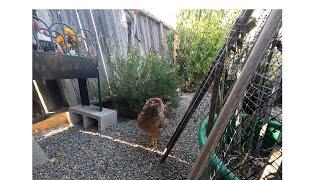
(87, 23)
(50, 122)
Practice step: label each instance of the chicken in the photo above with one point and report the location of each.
(152, 119)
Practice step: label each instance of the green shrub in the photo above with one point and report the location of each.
(201, 35)
(137, 79)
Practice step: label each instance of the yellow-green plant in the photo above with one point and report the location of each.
(201, 34)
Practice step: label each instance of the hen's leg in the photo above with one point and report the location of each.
(151, 142)
(155, 147)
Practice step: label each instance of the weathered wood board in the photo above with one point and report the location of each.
(116, 30)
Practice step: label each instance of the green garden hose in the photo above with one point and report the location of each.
(215, 160)
(272, 135)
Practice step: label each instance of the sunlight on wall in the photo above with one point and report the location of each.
(40, 96)
(82, 34)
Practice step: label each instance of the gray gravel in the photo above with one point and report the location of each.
(118, 153)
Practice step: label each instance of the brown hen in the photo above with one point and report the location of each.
(152, 120)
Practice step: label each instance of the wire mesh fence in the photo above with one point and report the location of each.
(251, 145)
(234, 63)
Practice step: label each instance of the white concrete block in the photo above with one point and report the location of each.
(87, 122)
(105, 118)
(75, 118)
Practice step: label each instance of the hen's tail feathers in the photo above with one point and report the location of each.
(168, 109)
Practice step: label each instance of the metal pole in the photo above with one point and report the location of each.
(214, 107)
(99, 90)
(84, 95)
(239, 88)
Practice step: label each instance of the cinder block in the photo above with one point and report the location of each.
(87, 122)
(75, 118)
(105, 118)
(38, 156)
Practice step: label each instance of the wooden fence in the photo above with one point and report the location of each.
(116, 30)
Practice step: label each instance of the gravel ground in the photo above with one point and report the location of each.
(118, 153)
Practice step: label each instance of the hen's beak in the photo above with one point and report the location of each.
(154, 107)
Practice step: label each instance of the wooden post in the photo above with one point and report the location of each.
(237, 92)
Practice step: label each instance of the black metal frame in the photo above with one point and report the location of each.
(54, 66)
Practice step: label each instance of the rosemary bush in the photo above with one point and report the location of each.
(136, 79)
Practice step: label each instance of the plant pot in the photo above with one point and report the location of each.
(127, 112)
(106, 103)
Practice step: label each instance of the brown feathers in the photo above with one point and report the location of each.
(152, 120)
